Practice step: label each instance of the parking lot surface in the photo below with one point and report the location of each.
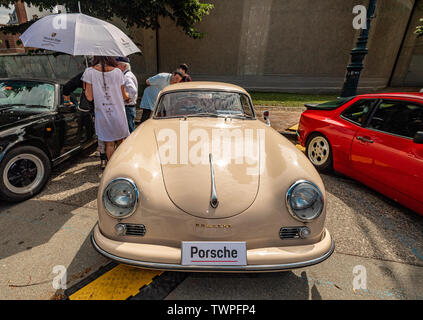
(373, 235)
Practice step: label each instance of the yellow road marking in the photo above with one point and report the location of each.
(294, 128)
(301, 148)
(120, 283)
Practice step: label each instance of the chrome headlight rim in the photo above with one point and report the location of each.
(291, 210)
(137, 195)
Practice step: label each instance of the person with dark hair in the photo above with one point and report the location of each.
(74, 84)
(70, 87)
(154, 86)
(105, 84)
(183, 68)
(131, 86)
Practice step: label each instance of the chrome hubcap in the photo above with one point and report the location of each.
(318, 151)
(23, 174)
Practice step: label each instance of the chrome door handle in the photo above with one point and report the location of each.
(365, 140)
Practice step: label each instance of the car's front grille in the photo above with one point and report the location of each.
(290, 233)
(135, 230)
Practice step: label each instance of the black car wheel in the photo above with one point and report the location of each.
(24, 172)
(319, 152)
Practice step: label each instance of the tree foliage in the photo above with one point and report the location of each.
(138, 13)
(419, 30)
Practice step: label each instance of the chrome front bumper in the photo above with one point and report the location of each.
(179, 267)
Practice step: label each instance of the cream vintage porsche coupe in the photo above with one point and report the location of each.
(206, 186)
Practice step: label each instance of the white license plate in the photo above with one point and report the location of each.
(214, 254)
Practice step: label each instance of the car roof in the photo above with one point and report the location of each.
(403, 95)
(60, 82)
(202, 85)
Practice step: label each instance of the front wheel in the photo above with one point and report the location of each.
(319, 152)
(24, 172)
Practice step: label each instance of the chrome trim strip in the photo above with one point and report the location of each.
(249, 268)
(67, 154)
(214, 201)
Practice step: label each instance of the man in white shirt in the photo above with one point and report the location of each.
(131, 86)
(154, 86)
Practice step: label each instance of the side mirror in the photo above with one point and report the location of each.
(418, 138)
(266, 116)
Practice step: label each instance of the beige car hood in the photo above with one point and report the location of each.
(184, 148)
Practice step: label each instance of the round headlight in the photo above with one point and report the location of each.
(120, 198)
(305, 201)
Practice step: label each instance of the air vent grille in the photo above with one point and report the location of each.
(135, 230)
(290, 233)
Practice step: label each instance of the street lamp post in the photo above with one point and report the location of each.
(357, 56)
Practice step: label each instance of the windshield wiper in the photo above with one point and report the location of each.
(205, 114)
(11, 105)
(239, 116)
(22, 105)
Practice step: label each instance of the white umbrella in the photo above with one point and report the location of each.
(79, 35)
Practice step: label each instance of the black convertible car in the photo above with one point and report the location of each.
(36, 132)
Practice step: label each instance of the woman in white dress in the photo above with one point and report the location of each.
(105, 84)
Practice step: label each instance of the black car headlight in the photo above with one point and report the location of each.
(120, 198)
(305, 201)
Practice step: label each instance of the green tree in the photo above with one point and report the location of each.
(138, 13)
(419, 30)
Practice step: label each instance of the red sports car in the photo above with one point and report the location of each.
(374, 138)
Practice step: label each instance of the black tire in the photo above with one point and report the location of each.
(28, 170)
(319, 152)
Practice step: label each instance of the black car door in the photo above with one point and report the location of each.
(68, 124)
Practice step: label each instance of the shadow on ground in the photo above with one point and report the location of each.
(366, 223)
(254, 286)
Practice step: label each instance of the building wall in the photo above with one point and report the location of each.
(282, 45)
(8, 43)
(409, 68)
(288, 45)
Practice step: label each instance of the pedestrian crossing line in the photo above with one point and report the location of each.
(120, 283)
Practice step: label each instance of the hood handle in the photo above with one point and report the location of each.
(214, 201)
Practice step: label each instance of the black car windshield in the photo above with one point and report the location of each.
(26, 94)
(204, 104)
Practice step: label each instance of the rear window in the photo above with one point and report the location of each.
(331, 105)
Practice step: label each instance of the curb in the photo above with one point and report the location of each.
(289, 135)
(280, 108)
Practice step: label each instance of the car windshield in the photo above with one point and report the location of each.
(204, 104)
(26, 94)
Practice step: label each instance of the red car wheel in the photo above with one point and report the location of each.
(319, 152)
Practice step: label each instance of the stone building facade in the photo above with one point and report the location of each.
(281, 45)
(290, 45)
(8, 42)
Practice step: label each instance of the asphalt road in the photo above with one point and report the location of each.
(369, 230)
